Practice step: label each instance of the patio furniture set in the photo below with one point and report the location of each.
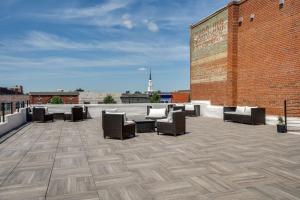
(41, 114)
(170, 120)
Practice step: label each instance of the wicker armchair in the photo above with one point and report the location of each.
(174, 126)
(77, 113)
(195, 112)
(115, 126)
(41, 115)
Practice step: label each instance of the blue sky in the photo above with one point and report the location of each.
(105, 46)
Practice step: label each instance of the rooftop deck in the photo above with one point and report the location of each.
(215, 160)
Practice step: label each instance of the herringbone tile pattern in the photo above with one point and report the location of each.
(214, 160)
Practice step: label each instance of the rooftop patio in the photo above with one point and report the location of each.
(214, 160)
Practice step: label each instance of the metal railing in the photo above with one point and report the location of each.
(11, 107)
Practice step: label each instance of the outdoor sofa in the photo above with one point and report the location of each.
(174, 124)
(116, 126)
(40, 114)
(245, 115)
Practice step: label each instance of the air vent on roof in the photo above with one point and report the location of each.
(281, 3)
(241, 19)
(252, 17)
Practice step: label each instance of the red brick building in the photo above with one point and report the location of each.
(44, 97)
(248, 53)
(181, 96)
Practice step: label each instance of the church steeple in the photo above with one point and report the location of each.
(150, 89)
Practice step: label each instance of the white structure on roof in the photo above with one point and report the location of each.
(150, 84)
(97, 97)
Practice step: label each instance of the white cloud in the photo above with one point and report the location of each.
(127, 22)
(142, 69)
(88, 12)
(63, 63)
(41, 41)
(152, 26)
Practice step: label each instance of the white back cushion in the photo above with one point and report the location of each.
(240, 109)
(248, 109)
(157, 112)
(189, 107)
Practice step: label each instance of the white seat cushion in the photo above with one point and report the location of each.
(189, 107)
(129, 122)
(164, 120)
(157, 113)
(238, 113)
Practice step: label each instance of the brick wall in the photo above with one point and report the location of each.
(180, 97)
(263, 62)
(45, 99)
(268, 54)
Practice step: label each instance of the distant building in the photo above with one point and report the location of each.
(44, 97)
(165, 97)
(12, 95)
(128, 98)
(16, 90)
(181, 96)
(97, 97)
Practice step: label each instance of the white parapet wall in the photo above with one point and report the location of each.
(95, 110)
(13, 121)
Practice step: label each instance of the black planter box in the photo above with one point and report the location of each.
(281, 128)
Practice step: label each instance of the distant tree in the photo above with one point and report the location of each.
(79, 90)
(155, 98)
(109, 100)
(137, 92)
(127, 92)
(56, 100)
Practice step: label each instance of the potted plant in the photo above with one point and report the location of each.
(281, 127)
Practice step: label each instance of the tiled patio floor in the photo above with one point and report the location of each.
(215, 160)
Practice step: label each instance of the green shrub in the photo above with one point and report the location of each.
(155, 98)
(56, 100)
(109, 100)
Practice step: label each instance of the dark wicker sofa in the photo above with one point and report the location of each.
(255, 117)
(174, 127)
(40, 114)
(115, 126)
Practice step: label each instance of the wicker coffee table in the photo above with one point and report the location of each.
(145, 126)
